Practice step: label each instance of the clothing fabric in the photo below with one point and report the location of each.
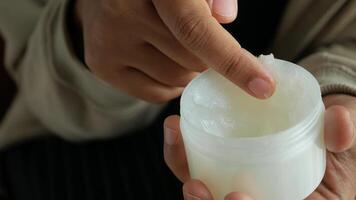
(321, 36)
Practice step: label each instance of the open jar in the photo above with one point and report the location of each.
(270, 149)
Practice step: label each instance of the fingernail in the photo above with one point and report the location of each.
(261, 88)
(227, 8)
(188, 196)
(170, 136)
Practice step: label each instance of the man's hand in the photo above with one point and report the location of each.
(151, 49)
(340, 178)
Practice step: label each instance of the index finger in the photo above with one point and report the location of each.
(194, 26)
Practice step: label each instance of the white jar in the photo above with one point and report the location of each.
(270, 149)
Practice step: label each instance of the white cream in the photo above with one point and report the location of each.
(271, 149)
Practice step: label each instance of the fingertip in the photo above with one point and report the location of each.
(171, 130)
(263, 84)
(261, 88)
(339, 129)
(172, 122)
(237, 196)
(248, 72)
(225, 11)
(173, 149)
(195, 189)
(259, 82)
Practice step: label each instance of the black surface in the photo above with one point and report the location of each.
(129, 167)
(256, 24)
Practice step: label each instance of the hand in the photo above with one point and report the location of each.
(340, 178)
(151, 49)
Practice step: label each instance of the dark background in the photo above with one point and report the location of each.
(7, 86)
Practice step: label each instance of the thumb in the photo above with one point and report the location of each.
(174, 152)
(339, 129)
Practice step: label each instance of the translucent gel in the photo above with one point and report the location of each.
(225, 110)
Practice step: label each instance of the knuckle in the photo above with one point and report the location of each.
(195, 64)
(112, 9)
(191, 29)
(179, 80)
(96, 67)
(183, 80)
(229, 65)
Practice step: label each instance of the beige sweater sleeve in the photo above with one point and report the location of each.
(333, 61)
(56, 92)
(334, 67)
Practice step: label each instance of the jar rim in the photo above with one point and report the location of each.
(265, 147)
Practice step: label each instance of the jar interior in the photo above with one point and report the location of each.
(216, 106)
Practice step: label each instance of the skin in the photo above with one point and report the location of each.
(151, 49)
(340, 178)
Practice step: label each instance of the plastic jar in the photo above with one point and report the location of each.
(256, 149)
